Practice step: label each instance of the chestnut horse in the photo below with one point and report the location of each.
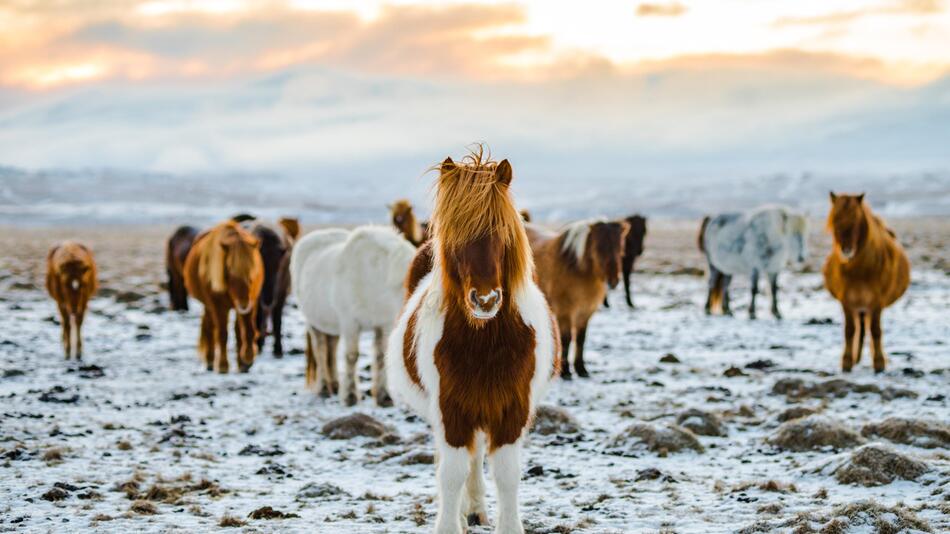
(224, 270)
(575, 267)
(476, 344)
(632, 249)
(71, 281)
(176, 250)
(405, 221)
(866, 271)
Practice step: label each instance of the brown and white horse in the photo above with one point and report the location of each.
(866, 271)
(405, 221)
(224, 270)
(71, 280)
(575, 267)
(176, 250)
(476, 344)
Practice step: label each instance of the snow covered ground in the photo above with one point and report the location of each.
(138, 437)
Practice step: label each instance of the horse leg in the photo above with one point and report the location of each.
(261, 321)
(317, 374)
(606, 301)
(506, 470)
(350, 389)
(206, 339)
(714, 297)
(451, 474)
(726, 280)
(220, 318)
(773, 288)
(878, 350)
(627, 270)
(66, 323)
(77, 331)
(380, 391)
(755, 291)
(847, 359)
(861, 327)
(277, 318)
(579, 339)
(333, 380)
(247, 342)
(475, 509)
(565, 327)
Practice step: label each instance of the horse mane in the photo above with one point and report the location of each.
(573, 239)
(229, 248)
(470, 203)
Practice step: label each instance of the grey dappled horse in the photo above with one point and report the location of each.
(762, 240)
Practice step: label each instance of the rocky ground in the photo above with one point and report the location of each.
(689, 423)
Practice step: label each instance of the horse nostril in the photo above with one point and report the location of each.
(473, 297)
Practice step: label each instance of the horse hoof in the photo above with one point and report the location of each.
(244, 368)
(566, 376)
(477, 519)
(351, 399)
(325, 393)
(210, 368)
(582, 373)
(385, 401)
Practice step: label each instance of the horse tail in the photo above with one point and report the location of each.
(702, 233)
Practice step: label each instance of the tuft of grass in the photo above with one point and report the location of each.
(230, 521)
(102, 517)
(123, 445)
(54, 454)
(143, 508)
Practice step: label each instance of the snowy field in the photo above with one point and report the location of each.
(139, 438)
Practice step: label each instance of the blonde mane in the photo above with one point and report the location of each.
(470, 203)
(229, 249)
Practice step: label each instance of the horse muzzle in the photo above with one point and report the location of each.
(484, 307)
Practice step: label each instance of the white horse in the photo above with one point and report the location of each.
(346, 282)
(762, 240)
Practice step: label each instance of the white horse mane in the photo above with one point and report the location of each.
(575, 236)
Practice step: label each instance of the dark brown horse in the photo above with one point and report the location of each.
(866, 271)
(275, 246)
(71, 280)
(176, 250)
(632, 249)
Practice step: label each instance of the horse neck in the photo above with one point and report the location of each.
(415, 229)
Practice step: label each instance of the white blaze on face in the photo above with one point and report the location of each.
(486, 306)
(75, 284)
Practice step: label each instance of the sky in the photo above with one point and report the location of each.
(572, 89)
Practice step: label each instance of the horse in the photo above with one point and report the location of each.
(176, 250)
(405, 221)
(274, 246)
(762, 240)
(575, 267)
(224, 270)
(867, 271)
(345, 282)
(476, 344)
(71, 280)
(632, 249)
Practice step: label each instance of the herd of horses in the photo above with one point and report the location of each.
(474, 311)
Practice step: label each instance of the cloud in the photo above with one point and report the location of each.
(672, 9)
(901, 7)
(451, 41)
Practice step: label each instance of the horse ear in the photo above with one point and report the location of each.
(447, 165)
(503, 172)
(861, 198)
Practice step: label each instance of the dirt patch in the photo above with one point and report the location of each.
(356, 425)
(230, 521)
(142, 507)
(320, 490)
(796, 412)
(550, 420)
(861, 516)
(701, 422)
(266, 512)
(814, 432)
(876, 464)
(916, 432)
(661, 439)
(837, 388)
(418, 458)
